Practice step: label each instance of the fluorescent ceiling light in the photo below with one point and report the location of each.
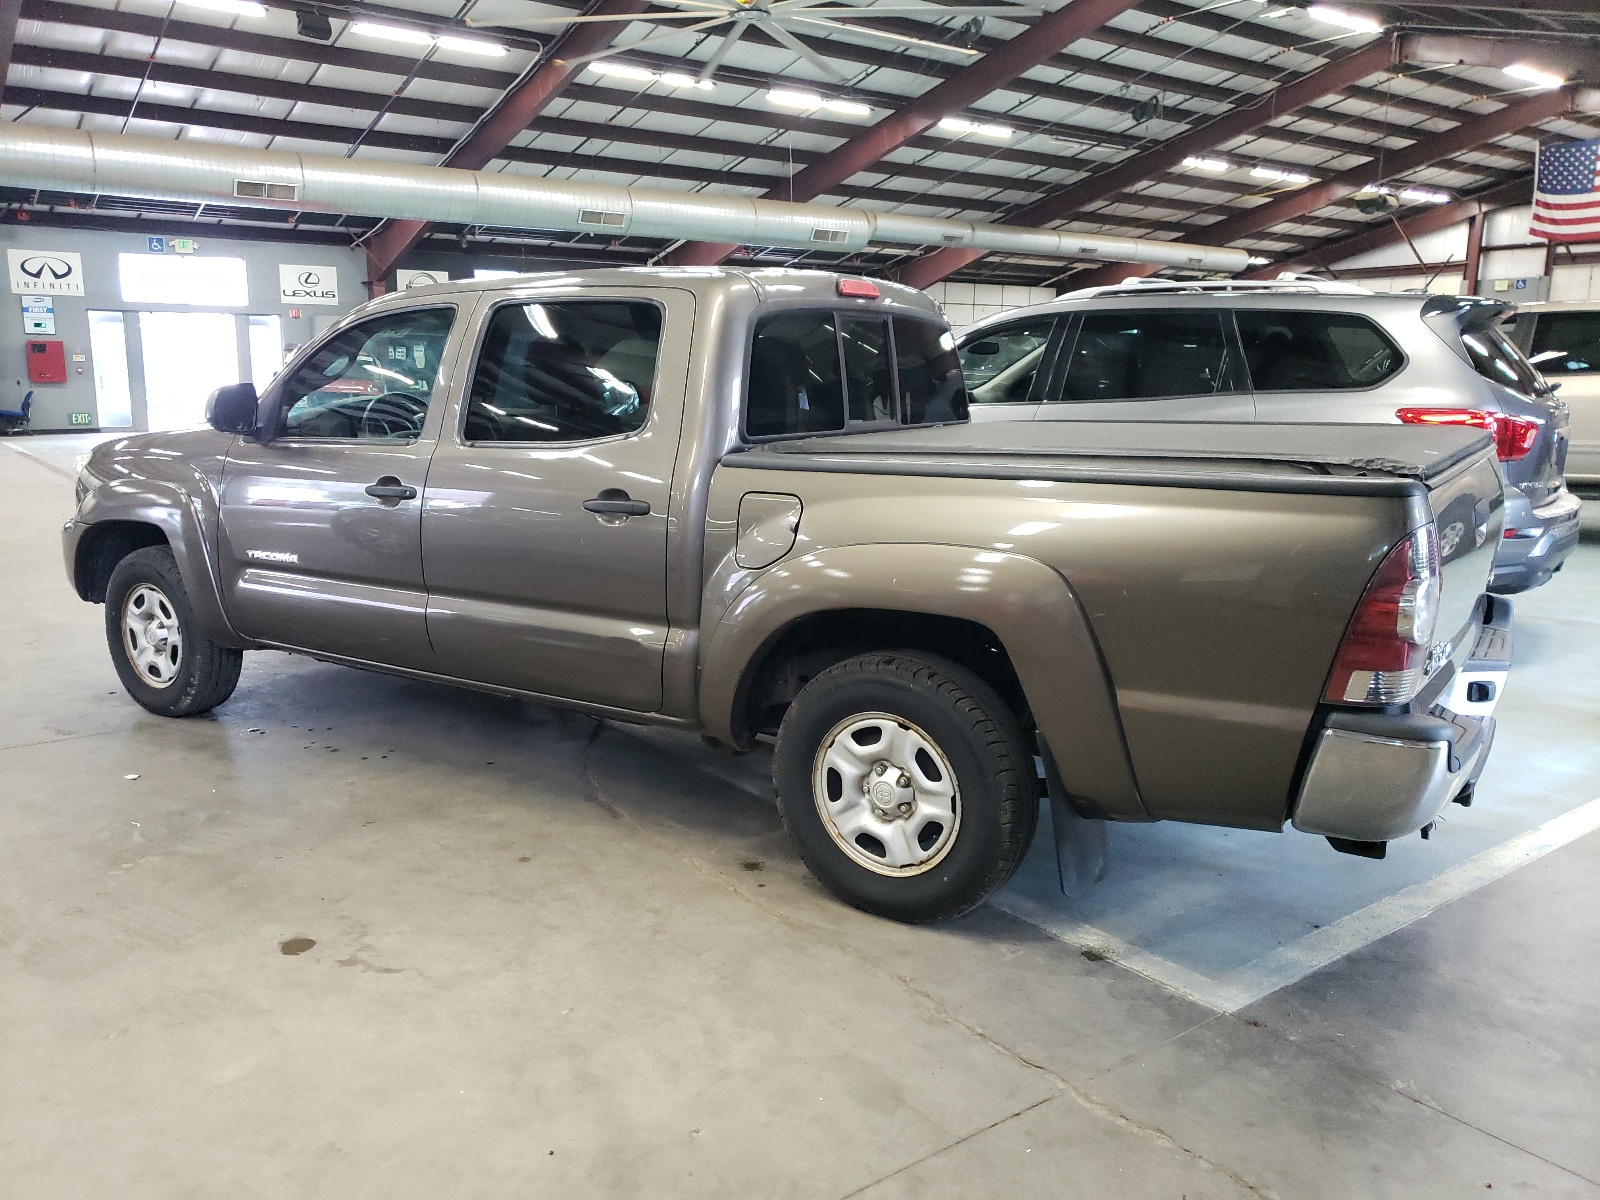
(239, 8)
(641, 75)
(1277, 175)
(962, 125)
(1425, 196)
(622, 71)
(848, 108)
(393, 33)
(1206, 164)
(679, 80)
(471, 46)
(1255, 260)
(1344, 20)
(1534, 76)
(786, 99)
(810, 102)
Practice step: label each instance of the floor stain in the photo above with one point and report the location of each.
(297, 945)
(355, 960)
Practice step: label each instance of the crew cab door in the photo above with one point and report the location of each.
(1147, 365)
(321, 540)
(544, 525)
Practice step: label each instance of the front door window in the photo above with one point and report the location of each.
(370, 382)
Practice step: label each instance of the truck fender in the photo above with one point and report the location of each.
(182, 517)
(1029, 607)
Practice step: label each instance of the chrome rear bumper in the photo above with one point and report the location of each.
(1374, 777)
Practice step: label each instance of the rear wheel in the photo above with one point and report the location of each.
(905, 783)
(165, 661)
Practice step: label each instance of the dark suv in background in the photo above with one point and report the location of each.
(1295, 350)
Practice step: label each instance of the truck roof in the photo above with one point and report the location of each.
(770, 282)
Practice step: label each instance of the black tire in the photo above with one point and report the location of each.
(204, 673)
(998, 796)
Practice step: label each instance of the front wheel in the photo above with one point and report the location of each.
(165, 660)
(905, 784)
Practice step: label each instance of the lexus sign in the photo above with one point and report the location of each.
(45, 272)
(300, 284)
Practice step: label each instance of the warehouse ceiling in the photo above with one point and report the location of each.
(913, 108)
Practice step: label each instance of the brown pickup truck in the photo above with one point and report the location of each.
(747, 503)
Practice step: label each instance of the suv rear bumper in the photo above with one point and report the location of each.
(1537, 541)
(1374, 777)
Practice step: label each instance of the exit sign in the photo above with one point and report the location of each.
(79, 419)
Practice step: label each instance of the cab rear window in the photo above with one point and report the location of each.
(817, 371)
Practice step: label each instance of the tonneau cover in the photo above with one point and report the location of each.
(1395, 452)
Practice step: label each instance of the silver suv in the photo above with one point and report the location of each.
(1298, 350)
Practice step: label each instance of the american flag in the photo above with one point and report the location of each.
(1566, 192)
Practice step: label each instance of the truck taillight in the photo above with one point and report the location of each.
(1383, 657)
(1513, 436)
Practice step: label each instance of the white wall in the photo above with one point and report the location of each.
(964, 303)
(1506, 256)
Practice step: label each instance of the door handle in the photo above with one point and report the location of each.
(390, 488)
(614, 502)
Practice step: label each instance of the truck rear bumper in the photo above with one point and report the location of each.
(1374, 777)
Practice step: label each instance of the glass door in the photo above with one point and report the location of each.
(187, 356)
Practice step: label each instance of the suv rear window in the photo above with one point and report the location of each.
(1495, 357)
(1566, 343)
(1145, 355)
(822, 372)
(1293, 351)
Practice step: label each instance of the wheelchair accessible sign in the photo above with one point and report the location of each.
(307, 285)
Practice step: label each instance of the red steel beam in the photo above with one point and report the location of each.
(509, 116)
(1069, 201)
(1040, 42)
(1392, 164)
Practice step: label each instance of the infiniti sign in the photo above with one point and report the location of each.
(45, 272)
(300, 284)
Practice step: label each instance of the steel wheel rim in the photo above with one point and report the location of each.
(152, 636)
(886, 794)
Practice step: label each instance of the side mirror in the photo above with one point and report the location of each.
(232, 409)
(981, 349)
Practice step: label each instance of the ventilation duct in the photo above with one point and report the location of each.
(110, 164)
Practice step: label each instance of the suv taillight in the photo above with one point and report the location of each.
(1384, 653)
(1513, 436)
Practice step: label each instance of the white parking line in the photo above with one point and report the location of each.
(1294, 961)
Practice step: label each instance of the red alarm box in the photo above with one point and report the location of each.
(47, 362)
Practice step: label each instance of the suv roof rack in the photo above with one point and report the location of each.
(1288, 281)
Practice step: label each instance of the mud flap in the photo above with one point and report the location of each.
(1080, 841)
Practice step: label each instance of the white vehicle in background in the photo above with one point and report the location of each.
(1562, 339)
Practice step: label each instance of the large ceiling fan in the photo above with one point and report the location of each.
(780, 19)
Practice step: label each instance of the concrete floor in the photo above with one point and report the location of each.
(554, 958)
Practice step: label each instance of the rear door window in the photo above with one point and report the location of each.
(1001, 365)
(821, 372)
(1139, 355)
(564, 371)
(1495, 357)
(1315, 351)
(1566, 343)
